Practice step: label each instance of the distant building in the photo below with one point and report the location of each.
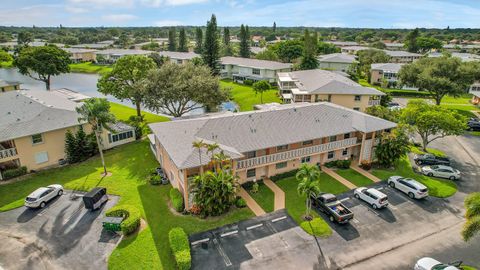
(8, 86)
(402, 56)
(462, 47)
(96, 46)
(241, 69)
(394, 46)
(257, 50)
(318, 85)
(475, 91)
(110, 56)
(387, 72)
(343, 43)
(354, 49)
(81, 55)
(336, 61)
(465, 57)
(179, 57)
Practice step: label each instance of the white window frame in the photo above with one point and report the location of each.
(41, 137)
(41, 157)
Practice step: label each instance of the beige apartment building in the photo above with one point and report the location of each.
(266, 142)
(8, 86)
(34, 125)
(241, 69)
(318, 85)
(78, 55)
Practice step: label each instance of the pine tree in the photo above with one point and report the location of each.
(226, 42)
(182, 41)
(244, 42)
(309, 58)
(274, 27)
(211, 48)
(172, 39)
(198, 40)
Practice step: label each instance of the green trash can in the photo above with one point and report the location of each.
(112, 224)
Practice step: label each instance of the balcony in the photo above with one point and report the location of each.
(10, 152)
(374, 102)
(292, 154)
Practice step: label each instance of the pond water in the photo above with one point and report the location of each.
(80, 82)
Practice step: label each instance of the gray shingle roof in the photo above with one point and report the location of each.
(317, 81)
(123, 52)
(392, 67)
(30, 112)
(337, 58)
(401, 53)
(8, 83)
(254, 63)
(243, 132)
(179, 55)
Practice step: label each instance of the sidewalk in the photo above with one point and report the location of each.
(279, 202)
(337, 177)
(251, 203)
(370, 176)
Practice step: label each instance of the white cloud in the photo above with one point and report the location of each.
(75, 10)
(118, 18)
(167, 23)
(158, 3)
(104, 3)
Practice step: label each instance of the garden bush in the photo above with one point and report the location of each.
(240, 202)
(177, 200)
(8, 174)
(248, 82)
(155, 179)
(284, 175)
(341, 164)
(130, 214)
(178, 240)
(366, 165)
(409, 93)
(330, 164)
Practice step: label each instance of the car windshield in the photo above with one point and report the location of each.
(434, 167)
(440, 266)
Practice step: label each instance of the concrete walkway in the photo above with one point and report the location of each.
(476, 113)
(279, 202)
(251, 203)
(365, 173)
(340, 179)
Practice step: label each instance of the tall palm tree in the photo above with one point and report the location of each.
(472, 226)
(211, 147)
(309, 176)
(96, 112)
(221, 158)
(199, 145)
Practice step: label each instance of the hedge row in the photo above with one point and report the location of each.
(12, 173)
(284, 175)
(180, 248)
(409, 93)
(341, 164)
(130, 214)
(177, 199)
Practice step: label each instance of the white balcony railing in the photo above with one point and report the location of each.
(374, 102)
(301, 152)
(10, 152)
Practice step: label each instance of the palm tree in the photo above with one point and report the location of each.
(96, 112)
(309, 176)
(211, 147)
(199, 145)
(472, 226)
(220, 159)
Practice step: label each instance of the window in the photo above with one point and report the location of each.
(251, 173)
(223, 66)
(332, 138)
(282, 147)
(281, 165)
(306, 159)
(37, 138)
(356, 109)
(120, 136)
(358, 97)
(307, 142)
(331, 155)
(255, 71)
(41, 157)
(345, 152)
(179, 61)
(251, 154)
(346, 136)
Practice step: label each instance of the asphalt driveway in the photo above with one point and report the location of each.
(63, 235)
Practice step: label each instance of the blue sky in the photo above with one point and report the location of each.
(326, 13)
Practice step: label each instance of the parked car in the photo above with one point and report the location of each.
(372, 196)
(473, 124)
(427, 263)
(41, 196)
(429, 159)
(412, 188)
(441, 171)
(330, 205)
(394, 106)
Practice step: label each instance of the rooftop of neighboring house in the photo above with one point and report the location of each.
(317, 81)
(387, 67)
(394, 45)
(69, 94)
(92, 45)
(79, 50)
(8, 83)
(179, 55)
(254, 63)
(36, 43)
(237, 133)
(29, 112)
(123, 52)
(356, 48)
(466, 57)
(256, 50)
(118, 127)
(343, 43)
(401, 54)
(461, 46)
(337, 58)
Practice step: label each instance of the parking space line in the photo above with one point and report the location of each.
(355, 221)
(222, 253)
(228, 233)
(254, 226)
(278, 219)
(344, 199)
(200, 241)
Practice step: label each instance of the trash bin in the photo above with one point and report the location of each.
(112, 224)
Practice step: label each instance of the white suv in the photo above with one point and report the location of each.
(41, 196)
(441, 171)
(412, 188)
(372, 196)
(427, 263)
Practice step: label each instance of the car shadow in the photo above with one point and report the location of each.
(384, 213)
(346, 231)
(30, 213)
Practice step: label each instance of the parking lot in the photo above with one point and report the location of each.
(272, 241)
(63, 235)
(373, 232)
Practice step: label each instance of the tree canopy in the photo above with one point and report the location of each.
(260, 87)
(368, 57)
(309, 57)
(182, 41)
(172, 39)
(244, 42)
(211, 47)
(392, 146)
(198, 40)
(425, 44)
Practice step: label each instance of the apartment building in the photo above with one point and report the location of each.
(241, 69)
(402, 56)
(179, 57)
(8, 86)
(336, 61)
(393, 46)
(318, 85)
(34, 123)
(266, 142)
(475, 91)
(110, 56)
(354, 49)
(387, 72)
(81, 55)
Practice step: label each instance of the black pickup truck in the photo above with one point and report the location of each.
(429, 159)
(330, 205)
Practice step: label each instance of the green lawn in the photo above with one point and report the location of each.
(245, 96)
(355, 177)
(130, 164)
(437, 187)
(89, 67)
(264, 197)
(474, 133)
(418, 150)
(123, 112)
(6, 64)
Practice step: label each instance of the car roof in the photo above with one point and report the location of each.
(38, 192)
(415, 183)
(443, 167)
(327, 196)
(376, 192)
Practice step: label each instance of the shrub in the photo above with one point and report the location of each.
(284, 175)
(80, 146)
(130, 214)
(255, 187)
(155, 179)
(248, 82)
(408, 93)
(366, 165)
(344, 164)
(11, 173)
(178, 240)
(177, 199)
(195, 209)
(330, 164)
(240, 202)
